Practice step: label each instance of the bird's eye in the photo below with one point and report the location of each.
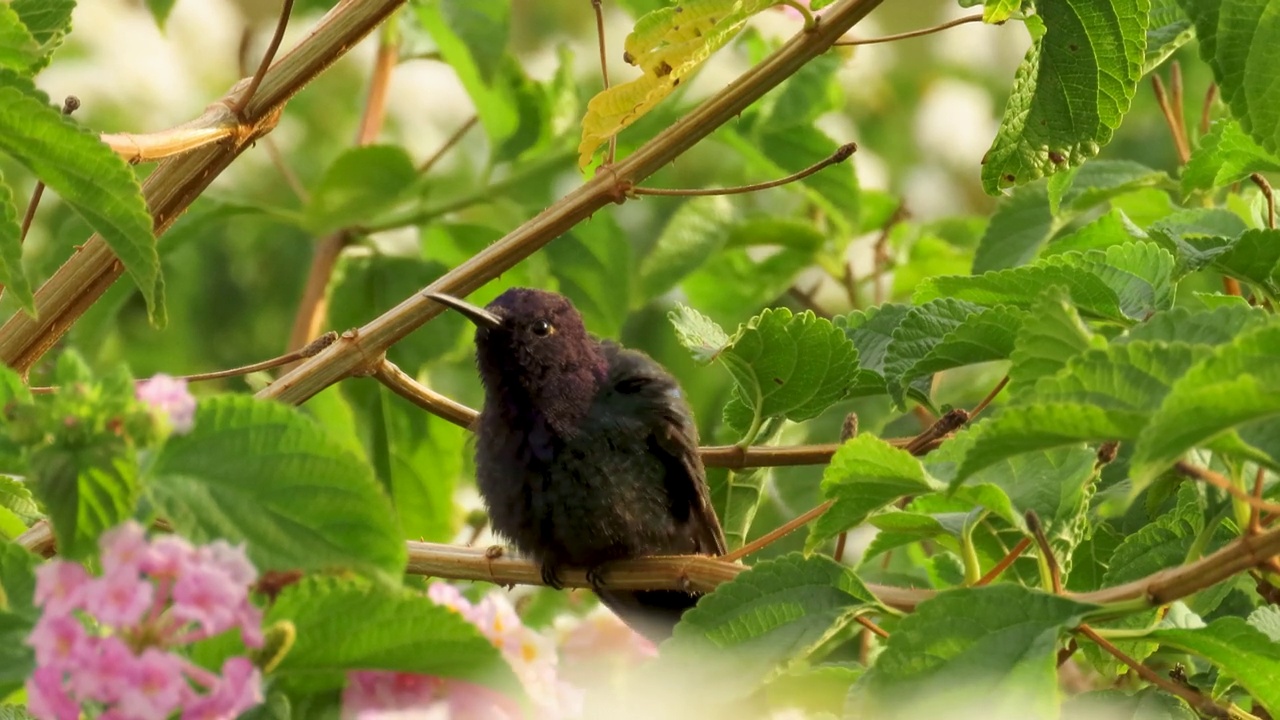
(542, 328)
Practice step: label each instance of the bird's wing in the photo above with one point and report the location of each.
(655, 397)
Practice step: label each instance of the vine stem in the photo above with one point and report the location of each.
(346, 356)
(914, 33)
(276, 38)
(844, 152)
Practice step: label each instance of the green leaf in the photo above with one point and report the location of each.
(1043, 347)
(263, 473)
(1241, 42)
(1023, 285)
(16, 497)
(48, 21)
(361, 183)
(347, 625)
(785, 365)
(693, 234)
(871, 332)
(778, 611)
(88, 176)
(1183, 325)
(699, 333)
(947, 333)
(1254, 258)
(1098, 181)
(160, 10)
(864, 475)
(1071, 91)
(1267, 620)
(12, 276)
(592, 263)
(1238, 383)
(1113, 228)
(1168, 30)
(1148, 703)
(1021, 223)
(994, 645)
(18, 50)
(18, 615)
(998, 11)
(86, 489)
(1239, 650)
(472, 38)
(1225, 156)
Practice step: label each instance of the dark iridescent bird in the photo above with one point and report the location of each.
(586, 452)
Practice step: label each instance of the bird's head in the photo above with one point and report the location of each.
(532, 346)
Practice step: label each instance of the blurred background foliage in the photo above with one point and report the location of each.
(923, 112)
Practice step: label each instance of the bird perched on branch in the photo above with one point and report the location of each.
(586, 451)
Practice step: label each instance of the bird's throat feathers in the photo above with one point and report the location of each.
(553, 382)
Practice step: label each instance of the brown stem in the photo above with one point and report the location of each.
(945, 425)
(779, 532)
(880, 254)
(243, 101)
(1171, 119)
(874, 628)
(1265, 187)
(1207, 108)
(312, 307)
(311, 349)
(1218, 481)
(1201, 703)
(1176, 102)
(806, 299)
(842, 153)
(1046, 552)
(604, 71)
(990, 396)
(1004, 563)
(375, 337)
(375, 103)
(1231, 286)
(1255, 514)
(396, 380)
(451, 141)
(914, 33)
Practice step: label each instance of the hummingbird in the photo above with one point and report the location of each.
(586, 451)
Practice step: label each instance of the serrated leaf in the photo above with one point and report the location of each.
(1023, 285)
(88, 176)
(1241, 42)
(778, 611)
(1140, 273)
(1184, 325)
(668, 45)
(1168, 30)
(1254, 258)
(1239, 650)
(347, 625)
(360, 183)
(12, 276)
(16, 497)
(1071, 91)
(1238, 383)
(871, 331)
(785, 365)
(18, 50)
(262, 473)
(18, 615)
(47, 21)
(690, 238)
(1021, 223)
(947, 333)
(86, 490)
(1002, 655)
(1043, 347)
(1267, 620)
(1225, 156)
(698, 333)
(864, 475)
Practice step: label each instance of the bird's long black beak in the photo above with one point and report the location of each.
(474, 313)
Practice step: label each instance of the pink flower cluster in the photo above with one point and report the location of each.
(373, 694)
(106, 642)
(169, 397)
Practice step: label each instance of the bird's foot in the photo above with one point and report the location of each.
(595, 575)
(550, 576)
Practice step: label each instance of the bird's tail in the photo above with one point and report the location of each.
(652, 613)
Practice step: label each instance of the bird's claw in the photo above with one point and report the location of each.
(595, 576)
(550, 577)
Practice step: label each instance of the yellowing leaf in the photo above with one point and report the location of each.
(668, 44)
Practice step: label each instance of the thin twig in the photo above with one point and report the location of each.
(1176, 100)
(777, 533)
(945, 425)
(1171, 119)
(1223, 483)
(914, 33)
(449, 142)
(604, 71)
(1255, 514)
(399, 382)
(311, 349)
(243, 101)
(1046, 551)
(844, 152)
(1004, 563)
(874, 628)
(1201, 703)
(268, 143)
(848, 431)
(990, 396)
(880, 254)
(375, 103)
(806, 299)
(69, 105)
(1206, 108)
(1265, 187)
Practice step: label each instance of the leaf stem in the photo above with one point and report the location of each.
(1004, 563)
(844, 152)
(968, 552)
(242, 102)
(990, 396)
(1171, 116)
(914, 33)
(604, 71)
(1265, 187)
(1048, 561)
(448, 145)
(777, 533)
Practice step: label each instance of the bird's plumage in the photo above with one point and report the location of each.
(586, 452)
